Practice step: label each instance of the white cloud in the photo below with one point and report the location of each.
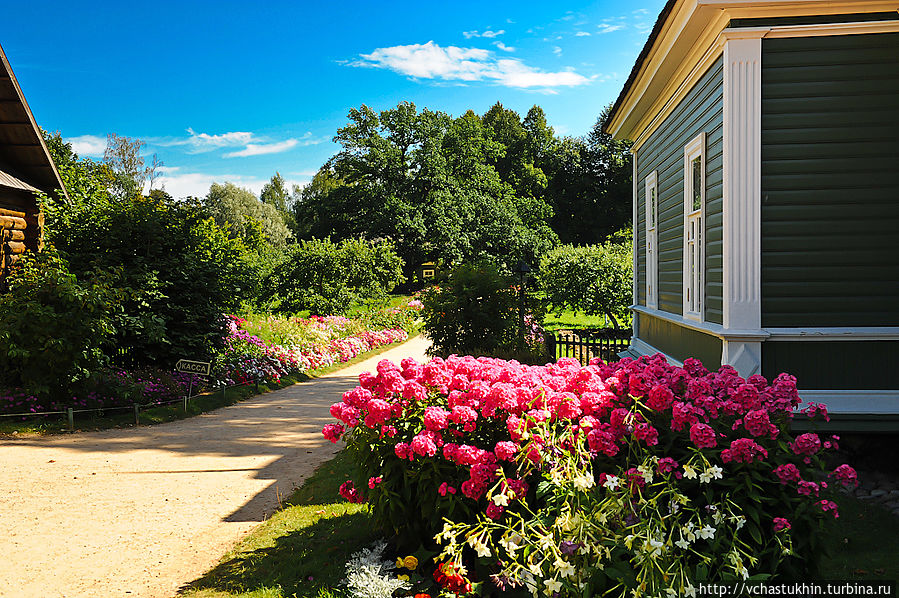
(431, 61)
(487, 33)
(196, 184)
(258, 149)
(503, 47)
(557, 50)
(87, 145)
(582, 34)
(607, 28)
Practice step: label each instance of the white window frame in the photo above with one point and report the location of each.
(651, 187)
(694, 231)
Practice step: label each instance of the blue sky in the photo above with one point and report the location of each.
(235, 91)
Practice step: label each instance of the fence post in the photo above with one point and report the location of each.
(136, 414)
(224, 392)
(71, 415)
(184, 399)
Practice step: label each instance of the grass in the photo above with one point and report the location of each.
(302, 550)
(156, 415)
(569, 319)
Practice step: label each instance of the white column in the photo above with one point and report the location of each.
(635, 243)
(742, 199)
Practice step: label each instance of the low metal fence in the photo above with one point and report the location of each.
(584, 345)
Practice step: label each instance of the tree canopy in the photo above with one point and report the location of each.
(246, 217)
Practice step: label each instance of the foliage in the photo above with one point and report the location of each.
(53, 325)
(588, 480)
(590, 186)
(245, 217)
(478, 310)
(439, 188)
(326, 277)
(593, 279)
(122, 156)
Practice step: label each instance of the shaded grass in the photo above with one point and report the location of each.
(56, 424)
(301, 551)
(570, 320)
(865, 543)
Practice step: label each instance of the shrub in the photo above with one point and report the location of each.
(53, 325)
(476, 311)
(592, 279)
(586, 480)
(327, 278)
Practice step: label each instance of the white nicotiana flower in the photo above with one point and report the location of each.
(689, 472)
(564, 568)
(500, 500)
(552, 586)
(671, 592)
(687, 532)
(718, 517)
(683, 544)
(535, 569)
(741, 570)
(705, 477)
(510, 544)
(646, 472)
(611, 482)
(556, 477)
(629, 541)
(584, 482)
(707, 532)
(482, 549)
(739, 521)
(690, 591)
(546, 543)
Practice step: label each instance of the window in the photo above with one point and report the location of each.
(694, 202)
(427, 274)
(652, 238)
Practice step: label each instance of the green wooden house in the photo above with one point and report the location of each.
(766, 194)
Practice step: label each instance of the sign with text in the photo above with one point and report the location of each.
(186, 366)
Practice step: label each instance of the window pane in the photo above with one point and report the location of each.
(697, 183)
(652, 206)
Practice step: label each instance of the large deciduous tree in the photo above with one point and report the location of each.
(246, 217)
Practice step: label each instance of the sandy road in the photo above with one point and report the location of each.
(140, 512)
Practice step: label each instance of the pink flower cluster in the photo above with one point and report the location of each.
(449, 408)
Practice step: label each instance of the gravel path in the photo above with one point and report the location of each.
(140, 512)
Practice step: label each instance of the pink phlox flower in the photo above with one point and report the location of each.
(660, 398)
(435, 418)
(349, 492)
(787, 473)
(757, 422)
(828, 505)
(806, 444)
(494, 511)
(744, 450)
(808, 488)
(815, 409)
(846, 475)
(425, 443)
(445, 489)
(647, 434)
(403, 451)
(413, 391)
(372, 482)
(667, 465)
(506, 450)
(781, 523)
(388, 431)
(703, 436)
(333, 432)
(367, 380)
(695, 368)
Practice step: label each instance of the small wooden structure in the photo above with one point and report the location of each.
(25, 169)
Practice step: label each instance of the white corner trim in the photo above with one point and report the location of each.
(644, 348)
(855, 402)
(862, 333)
(742, 187)
(651, 214)
(635, 229)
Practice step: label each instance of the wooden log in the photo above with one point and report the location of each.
(35, 219)
(12, 222)
(13, 235)
(15, 247)
(13, 213)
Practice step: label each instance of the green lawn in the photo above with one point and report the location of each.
(571, 320)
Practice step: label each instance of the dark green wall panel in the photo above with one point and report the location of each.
(823, 365)
(679, 342)
(701, 110)
(830, 182)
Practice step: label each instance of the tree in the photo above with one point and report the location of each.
(122, 155)
(245, 217)
(592, 279)
(275, 193)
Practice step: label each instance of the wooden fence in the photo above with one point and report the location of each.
(584, 345)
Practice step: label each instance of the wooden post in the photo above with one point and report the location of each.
(136, 414)
(184, 400)
(71, 416)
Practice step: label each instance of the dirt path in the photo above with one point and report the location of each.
(140, 512)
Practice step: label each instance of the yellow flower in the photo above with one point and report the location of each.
(399, 563)
(410, 563)
(403, 577)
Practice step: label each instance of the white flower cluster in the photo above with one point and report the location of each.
(364, 575)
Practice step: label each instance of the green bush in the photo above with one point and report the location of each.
(476, 312)
(182, 273)
(53, 325)
(592, 279)
(328, 278)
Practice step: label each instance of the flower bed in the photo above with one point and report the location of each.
(572, 480)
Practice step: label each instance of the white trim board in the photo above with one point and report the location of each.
(855, 402)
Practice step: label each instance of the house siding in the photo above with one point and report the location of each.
(830, 194)
(821, 365)
(700, 111)
(679, 342)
